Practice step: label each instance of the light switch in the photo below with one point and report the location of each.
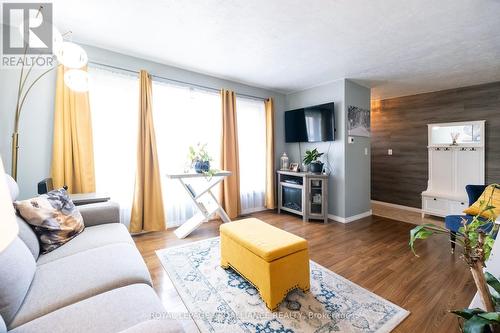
(389, 152)
(366, 151)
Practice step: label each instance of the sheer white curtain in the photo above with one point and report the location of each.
(251, 117)
(114, 102)
(183, 117)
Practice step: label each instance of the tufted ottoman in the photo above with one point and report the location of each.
(273, 260)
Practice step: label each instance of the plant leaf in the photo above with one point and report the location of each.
(475, 324)
(491, 316)
(467, 313)
(419, 232)
(493, 282)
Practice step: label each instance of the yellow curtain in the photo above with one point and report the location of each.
(270, 189)
(72, 147)
(230, 196)
(147, 209)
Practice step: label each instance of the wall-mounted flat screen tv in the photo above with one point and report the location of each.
(310, 124)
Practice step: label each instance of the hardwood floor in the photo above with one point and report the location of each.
(372, 252)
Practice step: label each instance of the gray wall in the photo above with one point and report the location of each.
(332, 92)
(37, 118)
(357, 187)
(35, 128)
(349, 183)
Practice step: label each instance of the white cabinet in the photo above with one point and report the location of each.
(456, 159)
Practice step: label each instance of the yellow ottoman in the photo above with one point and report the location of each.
(273, 260)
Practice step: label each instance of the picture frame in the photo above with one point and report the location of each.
(358, 122)
(294, 167)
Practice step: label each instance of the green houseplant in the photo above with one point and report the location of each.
(311, 159)
(199, 158)
(475, 243)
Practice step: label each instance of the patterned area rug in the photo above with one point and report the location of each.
(220, 300)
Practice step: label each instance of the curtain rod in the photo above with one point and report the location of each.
(173, 80)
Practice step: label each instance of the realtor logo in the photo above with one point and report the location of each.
(27, 28)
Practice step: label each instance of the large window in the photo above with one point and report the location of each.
(114, 102)
(251, 119)
(183, 116)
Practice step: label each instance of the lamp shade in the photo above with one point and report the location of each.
(77, 80)
(8, 223)
(72, 55)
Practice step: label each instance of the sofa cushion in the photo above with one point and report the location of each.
(73, 278)
(3, 328)
(110, 312)
(28, 236)
(17, 268)
(90, 238)
(100, 213)
(156, 326)
(54, 218)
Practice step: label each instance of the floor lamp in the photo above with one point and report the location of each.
(69, 55)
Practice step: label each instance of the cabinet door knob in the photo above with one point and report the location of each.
(435, 199)
(462, 203)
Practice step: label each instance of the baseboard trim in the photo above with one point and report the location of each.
(411, 209)
(350, 218)
(252, 210)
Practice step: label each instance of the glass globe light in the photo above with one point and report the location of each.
(77, 80)
(72, 55)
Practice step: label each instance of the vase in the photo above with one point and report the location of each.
(316, 167)
(201, 166)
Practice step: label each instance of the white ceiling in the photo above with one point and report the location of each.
(397, 47)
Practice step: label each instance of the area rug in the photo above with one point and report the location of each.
(220, 300)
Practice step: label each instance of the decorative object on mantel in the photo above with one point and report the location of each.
(452, 167)
(284, 162)
(311, 160)
(68, 54)
(454, 138)
(334, 304)
(476, 240)
(294, 167)
(358, 121)
(199, 158)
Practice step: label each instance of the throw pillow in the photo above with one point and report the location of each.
(484, 200)
(54, 218)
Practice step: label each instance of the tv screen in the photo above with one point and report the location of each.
(311, 124)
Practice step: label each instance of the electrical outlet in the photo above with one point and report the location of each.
(366, 151)
(389, 152)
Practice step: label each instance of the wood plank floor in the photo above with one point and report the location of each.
(372, 252)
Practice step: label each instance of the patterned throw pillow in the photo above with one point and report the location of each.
(54, 218)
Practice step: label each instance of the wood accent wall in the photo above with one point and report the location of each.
(400, 124)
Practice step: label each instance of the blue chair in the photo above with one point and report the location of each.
(454, 222)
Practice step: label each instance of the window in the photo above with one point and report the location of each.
(251, 117)
(183, 117)
(114, 102)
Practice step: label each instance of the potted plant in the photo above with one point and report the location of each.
(476, 241)
(311, 160)
(199, 158)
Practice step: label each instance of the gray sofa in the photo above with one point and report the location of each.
(97, 282)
